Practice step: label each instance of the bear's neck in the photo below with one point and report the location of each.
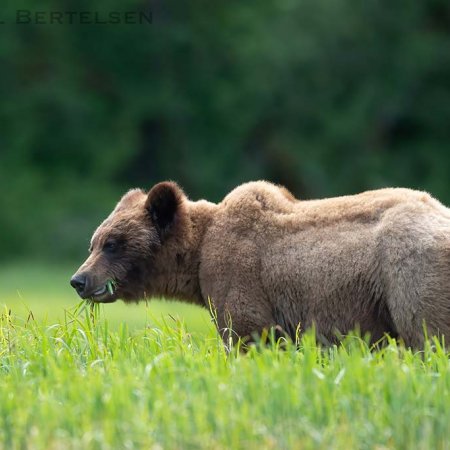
(176, 274)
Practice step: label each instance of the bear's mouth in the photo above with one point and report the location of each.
(105, 293)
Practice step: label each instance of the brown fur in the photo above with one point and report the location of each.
(379, 260)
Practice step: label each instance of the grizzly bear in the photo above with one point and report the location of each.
(377, 261)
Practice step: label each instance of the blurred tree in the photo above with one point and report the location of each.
(325, 97)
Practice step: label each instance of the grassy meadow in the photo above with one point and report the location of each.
(157, 376)
(45, 291)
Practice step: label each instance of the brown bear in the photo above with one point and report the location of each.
(377, 261)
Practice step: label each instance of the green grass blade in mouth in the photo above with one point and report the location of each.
(110, 284)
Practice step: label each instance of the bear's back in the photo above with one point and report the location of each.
(270, 204)
(259, 195)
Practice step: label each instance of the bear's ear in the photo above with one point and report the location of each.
(163, 204)
(130, 199)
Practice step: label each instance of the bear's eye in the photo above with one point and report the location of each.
(110, 246)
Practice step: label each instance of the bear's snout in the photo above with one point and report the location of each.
(87, 286)
(78, 282)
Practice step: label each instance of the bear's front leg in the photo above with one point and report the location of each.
(241, 317)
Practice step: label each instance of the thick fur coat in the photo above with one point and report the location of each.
(378, 261)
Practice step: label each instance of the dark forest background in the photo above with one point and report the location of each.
(326, 97)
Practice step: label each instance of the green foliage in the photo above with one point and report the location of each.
(324, 97)
(77, 384)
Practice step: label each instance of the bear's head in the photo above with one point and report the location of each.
(142, 234)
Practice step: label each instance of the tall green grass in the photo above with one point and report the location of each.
(79, 384)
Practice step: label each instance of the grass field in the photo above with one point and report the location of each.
(45, 291)
(72, 378)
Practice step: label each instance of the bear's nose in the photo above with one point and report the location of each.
(78, 282)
